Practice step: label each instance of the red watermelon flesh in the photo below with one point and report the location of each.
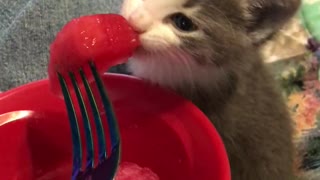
(131, 171)
(106, 39)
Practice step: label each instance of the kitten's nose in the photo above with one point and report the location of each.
(140, 20)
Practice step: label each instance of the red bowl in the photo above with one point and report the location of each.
(159, 130)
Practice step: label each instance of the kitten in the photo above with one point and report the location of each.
(207, 51)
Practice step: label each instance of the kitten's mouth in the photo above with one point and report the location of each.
(140, 51)
(147, 51)
(138, 31)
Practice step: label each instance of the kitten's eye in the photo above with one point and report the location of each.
(182, 22)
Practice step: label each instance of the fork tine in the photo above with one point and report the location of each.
(76, 142)
(97, 119)
(113, 160)
(113, 125)
(86, 123)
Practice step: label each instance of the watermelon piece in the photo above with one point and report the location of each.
(106, 39)
(131, 171)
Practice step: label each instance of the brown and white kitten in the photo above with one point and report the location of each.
(206, 50)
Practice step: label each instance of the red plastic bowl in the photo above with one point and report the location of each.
(159, 130)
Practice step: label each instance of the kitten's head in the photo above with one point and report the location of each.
(192, 41)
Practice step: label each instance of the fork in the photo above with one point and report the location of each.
(107, 165)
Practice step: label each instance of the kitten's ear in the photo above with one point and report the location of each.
(265, 17)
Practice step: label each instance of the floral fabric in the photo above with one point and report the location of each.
(294, 59)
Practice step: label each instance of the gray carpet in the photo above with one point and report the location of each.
(27, 27)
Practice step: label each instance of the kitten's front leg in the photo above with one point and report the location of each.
(257, 171)
(250, 164)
